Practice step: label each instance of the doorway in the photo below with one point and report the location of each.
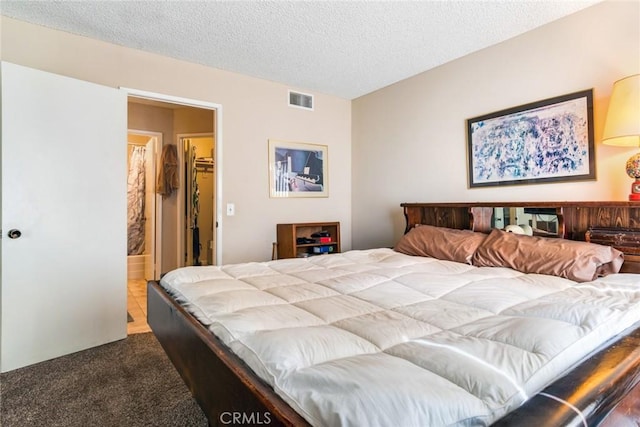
(171, 117)
(175, 117)
(198, 199)
(144, 206)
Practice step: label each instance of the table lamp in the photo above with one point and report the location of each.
(622, 125)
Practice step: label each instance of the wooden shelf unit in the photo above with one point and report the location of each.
(288, 247)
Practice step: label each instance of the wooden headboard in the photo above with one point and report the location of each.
(615, 224)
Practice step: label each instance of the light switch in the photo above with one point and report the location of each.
(231, 209)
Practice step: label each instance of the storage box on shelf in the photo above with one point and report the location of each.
(307, 239)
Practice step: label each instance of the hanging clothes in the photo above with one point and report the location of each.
(135, 201)
(195, 208)
(168, 180)
(196, 246)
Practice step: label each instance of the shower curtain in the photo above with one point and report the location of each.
(135, 201)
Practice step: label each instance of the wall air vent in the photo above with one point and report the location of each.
(300, 100)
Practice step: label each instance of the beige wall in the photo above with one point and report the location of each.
(409, 139)
(254, 110)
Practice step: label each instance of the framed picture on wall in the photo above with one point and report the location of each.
(545, 141)
(297, 169)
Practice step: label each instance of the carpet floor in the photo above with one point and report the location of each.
(127, 383)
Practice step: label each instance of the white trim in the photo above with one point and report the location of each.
(218, 150)
(218, 165)
(171, 99)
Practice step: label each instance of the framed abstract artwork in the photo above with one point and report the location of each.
(297, 169)
(545, 141)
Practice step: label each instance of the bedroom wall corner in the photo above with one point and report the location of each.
(409, 139)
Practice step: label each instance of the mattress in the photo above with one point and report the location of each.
(379, 338)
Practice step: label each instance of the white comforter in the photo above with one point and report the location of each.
(377, 338)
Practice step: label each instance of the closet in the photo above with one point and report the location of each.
(199, 219)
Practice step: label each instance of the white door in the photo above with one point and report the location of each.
(63, 280)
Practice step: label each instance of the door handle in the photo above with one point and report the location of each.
(14, 233)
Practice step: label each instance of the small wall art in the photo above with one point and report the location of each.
(545, 141)
(297, 169)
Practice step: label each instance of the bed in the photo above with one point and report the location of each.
(392, 325)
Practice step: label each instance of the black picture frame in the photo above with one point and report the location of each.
(541, 142)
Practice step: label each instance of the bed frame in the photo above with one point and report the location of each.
(605, 387)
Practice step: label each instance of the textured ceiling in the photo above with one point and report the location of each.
(342, 48)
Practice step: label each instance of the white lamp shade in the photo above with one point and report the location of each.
(622, 125)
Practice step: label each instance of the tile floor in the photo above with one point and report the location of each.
(137, 306)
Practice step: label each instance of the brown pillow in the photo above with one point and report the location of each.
(441, 243)
(578, 261)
